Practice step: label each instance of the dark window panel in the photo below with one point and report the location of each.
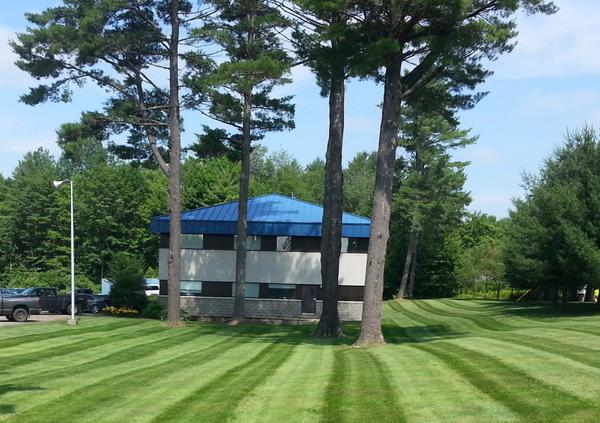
(218, 242)
(164, 240)
(280, 291)
(306, 243)
(263, 290)
(298, 293)
(358, 245)
(268, 243)
(164, 287)
(350, 293)
(217, 289)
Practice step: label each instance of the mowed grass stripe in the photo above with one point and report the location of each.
(31, 328)
(434, 326)
(218, 398)
(398, 327)
(360, 390)
(110, 383)
(530, 398)
(63, 341)
(554, 346)
(111, 355)
(176, 385)
(526, 316)
(430, 391)
(554, 370)
(484, 322)
(71, 348)
(295, 392)
(470, 305)
(71, 331)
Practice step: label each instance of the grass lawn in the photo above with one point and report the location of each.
(446, 361)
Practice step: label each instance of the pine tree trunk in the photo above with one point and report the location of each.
(370, 333)
(413, 269)
(564, 296)
(589, 293)
(410, 253)
(174, 183)
(333, 207)
(242, 225)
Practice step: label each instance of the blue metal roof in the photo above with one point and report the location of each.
(271, 214)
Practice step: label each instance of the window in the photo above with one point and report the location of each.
(268, 243)
(358, 245)
(350, 293)
(253, 243)
(283, 291)
(164, 240)
(252, 290)
(218, 242)
(344, 245)
(190, 288)
(306, 243)
(217, 289)
(284, 243)
(192, 241)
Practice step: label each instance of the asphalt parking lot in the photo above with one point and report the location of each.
(40, 318)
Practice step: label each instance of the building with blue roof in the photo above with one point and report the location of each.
(283, 261)
(271, 214)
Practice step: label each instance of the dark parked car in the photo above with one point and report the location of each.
(97, 303)
(51, 301)
(11, 291)
(18, 308)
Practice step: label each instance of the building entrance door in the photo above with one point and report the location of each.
(309, 294)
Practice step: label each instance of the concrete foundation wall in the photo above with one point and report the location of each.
(350, 311)
(262, 308)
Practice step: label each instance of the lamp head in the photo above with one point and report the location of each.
(57, 184)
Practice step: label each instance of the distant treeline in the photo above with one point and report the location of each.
(550, 242)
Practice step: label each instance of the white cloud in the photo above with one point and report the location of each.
(17, 144)
(564, 44)
(16, 141)
(497, 203)
(479, 155)
(560, 103)
(10, 74)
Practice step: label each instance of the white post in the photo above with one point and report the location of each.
(73, 304)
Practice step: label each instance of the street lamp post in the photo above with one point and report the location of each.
(57, 184)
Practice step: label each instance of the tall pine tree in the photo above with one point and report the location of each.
(126, 48)
(431, 187)
(413, 44)
(238, 92)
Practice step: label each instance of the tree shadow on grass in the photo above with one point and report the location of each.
(417, 334)
(4, 389)
(548, 310)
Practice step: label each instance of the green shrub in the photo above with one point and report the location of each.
(154, 309)
(128, 288)
(121, 311)
(57, 278)
(183, 315)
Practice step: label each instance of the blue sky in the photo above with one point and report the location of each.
(548, 85)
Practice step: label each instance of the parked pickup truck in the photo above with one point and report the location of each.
(18, 308)
(51, 301)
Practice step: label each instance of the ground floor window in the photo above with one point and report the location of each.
(192, 241)
(190, 288)
(217, 289)
(252, 290)
(283, 291)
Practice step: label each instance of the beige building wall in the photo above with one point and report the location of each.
(264, 266)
